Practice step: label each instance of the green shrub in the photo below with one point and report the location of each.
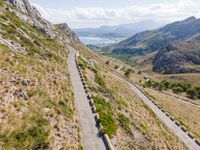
(192, 93)
(116, 67)
(184, 86)
(80, 147)
(155, 84)
(177, 90)
(106, 116)
(55, 57)
(64, 109)
(122, 102)
(124, 123)
(148, 84)
(165, 84)
(144, 127)
(197, 89)
(34, 137)
(99, 80)
(108, 122)
(101, 104)
(128, 72)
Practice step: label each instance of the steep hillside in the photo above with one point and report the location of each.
(129, 122)
(179, 57)
(36, 101)
(150, 41)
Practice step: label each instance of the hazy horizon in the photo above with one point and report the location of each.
(95, 13)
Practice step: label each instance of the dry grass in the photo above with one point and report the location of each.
(103, 59)
(47, 97)
(147, 130)
(191, 78)
(50, 84)
(187, 114)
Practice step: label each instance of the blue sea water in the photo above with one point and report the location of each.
(98, 40)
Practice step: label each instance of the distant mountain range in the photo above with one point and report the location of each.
(171, 56)
(118, 31)
(153, 40)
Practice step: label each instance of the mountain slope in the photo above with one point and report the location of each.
(123, 30)
(179, 57)
(36, 100)
(149, 41)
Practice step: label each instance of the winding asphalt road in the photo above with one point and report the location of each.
(88, 129)
(89, 132)
(190, 143)
(183, 136)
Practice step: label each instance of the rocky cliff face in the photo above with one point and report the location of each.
(179, 57)
(32, 16)
(25, 7)
(67, 34)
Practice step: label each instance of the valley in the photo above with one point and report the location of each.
(123, 87)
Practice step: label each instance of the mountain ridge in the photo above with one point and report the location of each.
(122, 30)
(178, 57)
(153, 40)
(32, 16)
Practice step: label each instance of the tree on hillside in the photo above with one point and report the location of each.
(177, 89)
(197, 89)
(191, 93)
(128, 72)
(148, 83)
(165, 85)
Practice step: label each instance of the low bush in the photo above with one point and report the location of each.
(34, 137)
(99, 80)
(177, 90)
(106, 116)
(124, 123)
(128, 72)
(64, 109)
(192, 92)
(108, 122)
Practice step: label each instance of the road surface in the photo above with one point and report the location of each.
(183, 136)
(88, 129)
(190, 143)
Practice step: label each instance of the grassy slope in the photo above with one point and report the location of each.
(137, 127)
(183, 112)
(188, 115)
(35, 121)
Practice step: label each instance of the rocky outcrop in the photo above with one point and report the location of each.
(67, 34)
(179, 57)
(31, 15)
(25, 7)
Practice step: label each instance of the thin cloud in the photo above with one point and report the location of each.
(96, 16)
